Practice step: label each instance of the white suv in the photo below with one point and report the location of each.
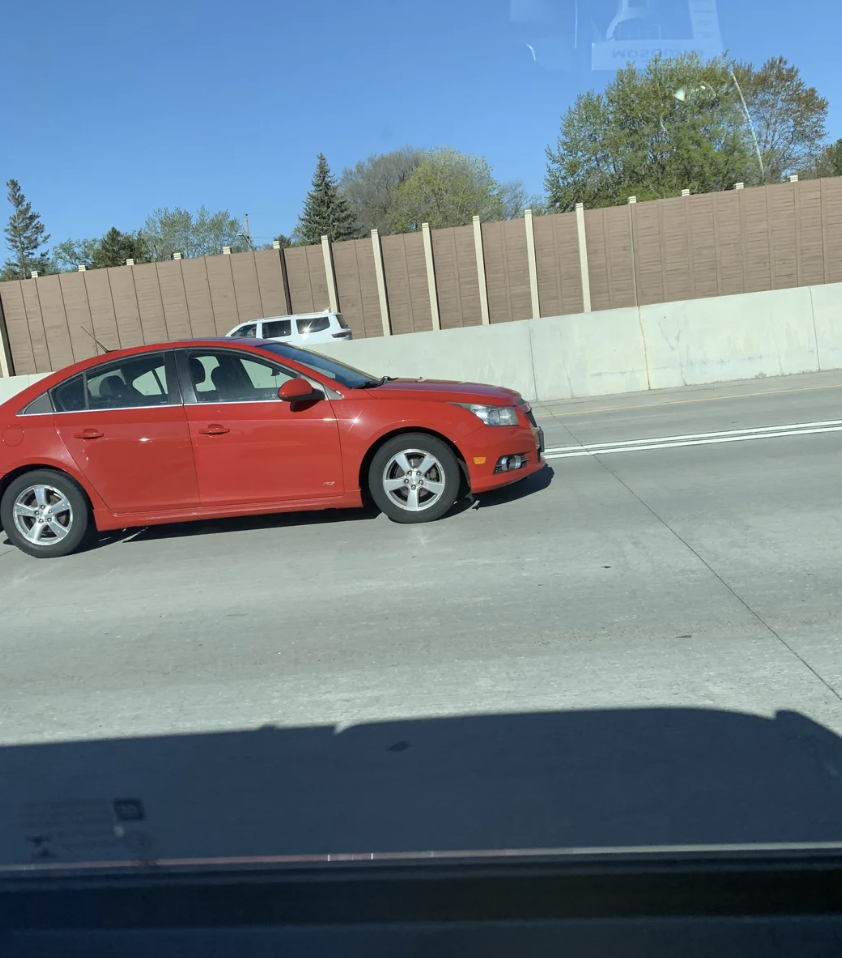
(303, 329)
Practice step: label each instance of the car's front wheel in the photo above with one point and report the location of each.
(45, 514)
(414, 478)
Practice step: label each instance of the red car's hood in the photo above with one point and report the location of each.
(439, 390)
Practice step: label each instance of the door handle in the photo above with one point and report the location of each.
(88, 434)
(214, 429)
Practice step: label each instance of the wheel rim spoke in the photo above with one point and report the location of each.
(60, 507)
(392, 485)
(427, 464)
(436, 488)
(23, 510)
(59, 531)
(40, 493)
(412, 500)
(403, 462)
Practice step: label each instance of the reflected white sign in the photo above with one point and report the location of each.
(642, 28)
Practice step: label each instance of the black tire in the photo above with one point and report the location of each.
(77, 519)
(445, 473)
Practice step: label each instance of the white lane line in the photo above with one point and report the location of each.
(607, 450)
(778, 430)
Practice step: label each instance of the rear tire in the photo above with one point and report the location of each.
(414, 478)
(45, 514)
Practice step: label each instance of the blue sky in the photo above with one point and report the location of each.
(112, 109)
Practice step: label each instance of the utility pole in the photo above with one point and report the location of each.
(246, 231)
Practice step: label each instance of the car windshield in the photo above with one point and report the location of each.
(572, 581)
(344, 374)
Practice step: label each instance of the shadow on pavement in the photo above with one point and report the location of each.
(565, 780)
(281, 520)
(285, 520)
(599, 779)
(537, 482)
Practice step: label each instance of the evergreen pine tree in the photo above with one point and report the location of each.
(115, 248)
(25, 234)
(326, 211)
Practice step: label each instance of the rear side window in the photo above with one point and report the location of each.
(70, 396)
(137, 381)
(277, 329)
(38, 406)
(316, 325)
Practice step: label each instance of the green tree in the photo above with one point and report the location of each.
(66, 256)
(371, 186)
(178, 231)
(448, 188)
(25, 237)
(638, 138)
(327, 212)
(285, 241)
(827, 163)
(116, 247)
(789, 116)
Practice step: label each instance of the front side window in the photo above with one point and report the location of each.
(245, 332)
(317, 325)
(227, 377)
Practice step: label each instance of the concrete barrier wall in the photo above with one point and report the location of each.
(747, 336)
(732, 337)
(12, 385)
(629, 350)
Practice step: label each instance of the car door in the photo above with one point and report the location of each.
(249, 446)
(125, 427)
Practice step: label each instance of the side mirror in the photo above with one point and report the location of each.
(297, 390)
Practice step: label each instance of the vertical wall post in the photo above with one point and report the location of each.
(583, 258)
(381, 283)
(632, 204)
(483, 287)
(431, 275)
(330, 276)
(533, 263)
(5, 350)
(276, 244)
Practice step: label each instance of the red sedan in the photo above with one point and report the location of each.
(210, 428)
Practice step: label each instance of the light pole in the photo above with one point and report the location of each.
(681, 96)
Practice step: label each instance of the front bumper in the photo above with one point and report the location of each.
(484, 449)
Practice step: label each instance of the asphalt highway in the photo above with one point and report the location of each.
(682, 551)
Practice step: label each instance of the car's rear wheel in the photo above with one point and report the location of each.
(414, 478)
(45, 514)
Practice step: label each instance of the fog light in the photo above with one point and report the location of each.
(510, 463)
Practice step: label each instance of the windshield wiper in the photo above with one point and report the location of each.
(371, 383)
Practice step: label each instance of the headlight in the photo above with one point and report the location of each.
(493, 415)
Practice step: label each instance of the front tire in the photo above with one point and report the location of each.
(414, 478)
(45, 514)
